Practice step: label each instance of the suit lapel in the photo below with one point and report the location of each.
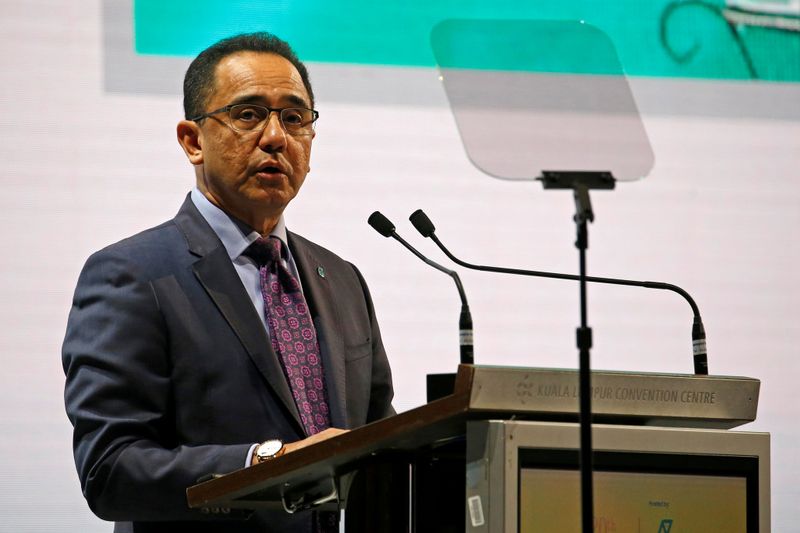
(216, 274)
(318, 293)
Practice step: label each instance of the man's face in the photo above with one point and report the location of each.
(253, 175)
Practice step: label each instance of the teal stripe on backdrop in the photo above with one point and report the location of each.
(397, 32)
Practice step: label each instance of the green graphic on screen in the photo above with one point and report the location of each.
(714, 39)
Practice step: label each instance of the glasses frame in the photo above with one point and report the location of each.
(270, 110)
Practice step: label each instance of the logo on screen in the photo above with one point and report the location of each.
(665, 526)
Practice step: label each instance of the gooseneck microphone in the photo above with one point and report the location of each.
(384, 226)
(426, 228)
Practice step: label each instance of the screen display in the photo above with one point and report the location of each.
(639, 492)
(633, 502)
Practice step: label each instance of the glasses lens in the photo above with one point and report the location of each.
(297, 119)
(246, 117)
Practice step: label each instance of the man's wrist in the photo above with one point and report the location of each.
(249, 459)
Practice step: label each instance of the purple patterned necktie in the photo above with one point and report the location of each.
(292, 334)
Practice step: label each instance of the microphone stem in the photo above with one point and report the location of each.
(698, 331)
(438, 267)
(558, 275)
(465, 341)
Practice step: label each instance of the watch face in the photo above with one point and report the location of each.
(269, 449)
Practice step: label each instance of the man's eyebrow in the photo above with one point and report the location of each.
(260, 100)
(298, 101)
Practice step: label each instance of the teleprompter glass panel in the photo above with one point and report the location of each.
(530, 96)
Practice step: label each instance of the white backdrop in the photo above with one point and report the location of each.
(82, 168)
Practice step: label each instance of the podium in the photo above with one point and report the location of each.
(494, 455)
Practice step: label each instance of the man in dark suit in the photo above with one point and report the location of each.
(173, 367)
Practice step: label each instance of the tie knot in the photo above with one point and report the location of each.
(265, 250)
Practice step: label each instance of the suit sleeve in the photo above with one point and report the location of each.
(131, 463)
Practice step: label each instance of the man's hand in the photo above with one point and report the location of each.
(313, 439)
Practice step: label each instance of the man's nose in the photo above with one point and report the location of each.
(273, 138)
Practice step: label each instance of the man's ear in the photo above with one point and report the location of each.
(190, 137)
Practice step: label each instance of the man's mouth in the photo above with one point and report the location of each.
(270, 170)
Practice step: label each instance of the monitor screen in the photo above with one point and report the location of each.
(639, 492)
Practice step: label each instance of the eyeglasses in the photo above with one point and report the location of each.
(254, 118)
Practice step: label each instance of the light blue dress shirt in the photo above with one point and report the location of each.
(236, 239)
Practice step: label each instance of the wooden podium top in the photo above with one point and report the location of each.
(483, 392)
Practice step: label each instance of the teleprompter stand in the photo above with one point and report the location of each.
(581, 183)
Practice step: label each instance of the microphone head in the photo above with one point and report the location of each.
(381, 224)
(422, 223)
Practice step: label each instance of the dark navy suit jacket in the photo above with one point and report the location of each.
(171, 376)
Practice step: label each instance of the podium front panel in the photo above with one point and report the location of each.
(523, 477)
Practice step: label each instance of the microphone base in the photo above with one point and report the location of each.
(439, 385)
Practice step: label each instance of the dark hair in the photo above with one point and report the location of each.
(198, 83)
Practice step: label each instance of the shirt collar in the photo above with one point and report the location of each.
(235, 235)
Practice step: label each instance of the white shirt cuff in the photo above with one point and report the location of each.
(250, 454)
